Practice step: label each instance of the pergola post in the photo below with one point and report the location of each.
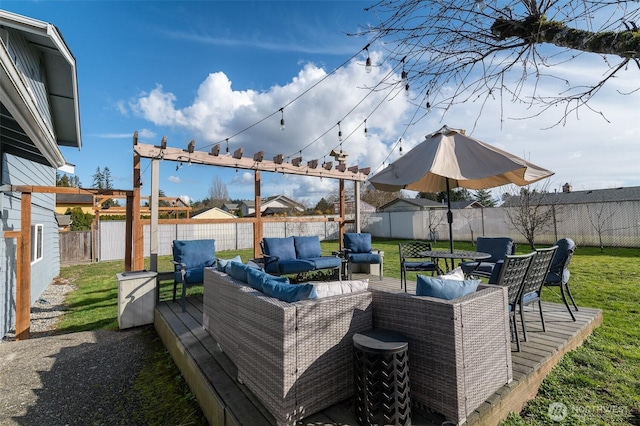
(356, 204)
(137, 236)
(23, 288)
(258, 231)
(153, 205)
(342, 212)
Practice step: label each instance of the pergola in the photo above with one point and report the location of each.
(134, 243)
(257, 164)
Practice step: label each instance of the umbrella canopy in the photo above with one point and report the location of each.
(450, 159)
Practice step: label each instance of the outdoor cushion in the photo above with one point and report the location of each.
(307, 247)
(497, 247)
(495, 273)
(420, 265)
(325, 262)
(222, 263)
(334, 288)
(282, 248)
(363, 258)
(529, 297)
(444, 289)
(238, 271)
(257, 277)
(196, 255)
(357, 242)
(291, 266)
(287, 292)
(454, 274)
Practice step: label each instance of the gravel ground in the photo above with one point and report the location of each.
(83, 378)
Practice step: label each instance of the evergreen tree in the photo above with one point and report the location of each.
(483, 196)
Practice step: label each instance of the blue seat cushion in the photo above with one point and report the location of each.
(282, 248)
(193, 276)
(287, 292)
(529, 297)
(497, 247)
(495, 274)
(483, 268)
(444, 289)
(257, 277)
(307, 247)
(222, 263)
(363, 258)
(420, 266)
(325, 262)
(553, 278)
(195, 253)
(293, 266)
(357, 243)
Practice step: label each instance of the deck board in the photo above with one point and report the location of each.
(213, 377)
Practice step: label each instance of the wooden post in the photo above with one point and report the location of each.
(356, 204)
(138, 237)
(153, 227)
(342, 213)
(258, 232)
(128, 235)
(23, 287)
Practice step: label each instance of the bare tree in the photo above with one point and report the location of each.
(600, 215)
(449, 52)
(530, 212)
(379, 198)
(436, 218)
(218, 193)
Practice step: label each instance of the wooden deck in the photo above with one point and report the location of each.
(212, 376)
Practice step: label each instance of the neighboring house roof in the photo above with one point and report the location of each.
(609, 195)
(77, 199)
(229, 207)
(63, 220)
(213, 213)
(426, 204)
(273, 201)
(32, 136)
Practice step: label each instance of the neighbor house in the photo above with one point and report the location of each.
(39, 113)
(278, 204)
(418, 204)
(213, 213)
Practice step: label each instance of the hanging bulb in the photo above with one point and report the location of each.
(400, 147)
(404, 76)
(367, 65)
(339, 132)
(282, 119)
(481, 5)
(428, 107)
(366, 131)
(406, 89)
(227, 146)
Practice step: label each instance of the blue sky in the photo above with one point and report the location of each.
(207, 70)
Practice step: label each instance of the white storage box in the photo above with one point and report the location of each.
(136, 298)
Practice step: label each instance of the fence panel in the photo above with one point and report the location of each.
(75, 246)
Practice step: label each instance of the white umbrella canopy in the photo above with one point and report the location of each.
(450, 159)
(448, 156)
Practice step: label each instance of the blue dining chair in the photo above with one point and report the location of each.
(357, 250)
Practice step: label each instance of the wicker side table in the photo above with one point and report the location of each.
(381, 374)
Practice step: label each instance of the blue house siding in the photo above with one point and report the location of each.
(19, 171)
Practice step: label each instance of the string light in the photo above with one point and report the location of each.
(366, 131)
(400, 142)
(428, 107)
(227, 146)
(339, 132)
(367, 64)
(282, 119)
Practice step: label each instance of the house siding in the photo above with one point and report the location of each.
(29, 62)
(19, 171)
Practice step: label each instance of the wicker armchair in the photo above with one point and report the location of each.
(412, 260)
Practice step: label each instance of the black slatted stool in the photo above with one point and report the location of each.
(381, 372)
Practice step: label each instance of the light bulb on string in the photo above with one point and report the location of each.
(339, 132)
(400, 147)
(367, 63)
(481, 5)
(428, 107)
(282, 119)
(227, 146)
(366, 131)
(406, 89)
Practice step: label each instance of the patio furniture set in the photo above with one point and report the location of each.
(293, 344)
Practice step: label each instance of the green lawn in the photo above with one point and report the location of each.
(599, 382)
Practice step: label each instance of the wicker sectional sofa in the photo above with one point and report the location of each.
(297, 358)
(459, 350)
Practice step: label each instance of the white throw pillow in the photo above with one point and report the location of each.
(334, 288)
(454, 274)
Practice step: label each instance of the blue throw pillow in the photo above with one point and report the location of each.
(444, 289)
(287, 292)
(257, 277)
(238, 271)
(223, 263)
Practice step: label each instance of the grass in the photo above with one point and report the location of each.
(598, 383)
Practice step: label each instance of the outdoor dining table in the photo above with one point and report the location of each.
(456, 254)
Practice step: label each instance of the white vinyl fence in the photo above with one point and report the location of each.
(617, 224)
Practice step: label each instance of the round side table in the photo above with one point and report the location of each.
(381, 373)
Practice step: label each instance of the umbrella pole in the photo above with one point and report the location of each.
(449, 217)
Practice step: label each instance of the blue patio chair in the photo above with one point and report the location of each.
(190, 257)
(357, 250)
(511, 273)
(497, 247)
(412, 260)
(559, 274)
(533, 283)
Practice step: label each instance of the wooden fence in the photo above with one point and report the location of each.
(75, 246)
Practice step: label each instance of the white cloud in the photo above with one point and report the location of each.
(587, 151)
(174, 179)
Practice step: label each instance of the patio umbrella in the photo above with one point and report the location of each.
(449, 159)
